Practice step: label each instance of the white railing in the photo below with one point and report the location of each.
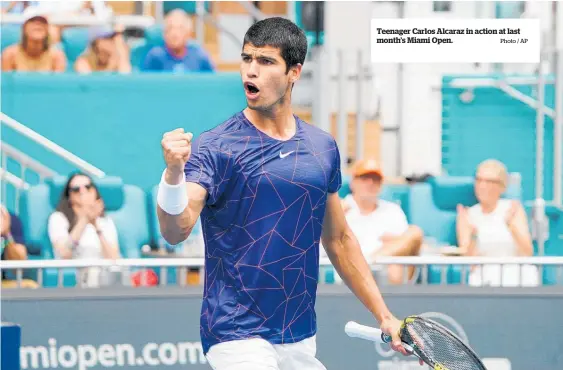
(324, 262)
(12, 179)
(198, 263)
(26, 165)
(25, 161)
(51, 146)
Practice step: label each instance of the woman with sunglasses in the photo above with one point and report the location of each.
(79, 228)
(495, 227)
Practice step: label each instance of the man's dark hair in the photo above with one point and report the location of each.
(279, 33)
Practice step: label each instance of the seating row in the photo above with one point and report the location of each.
(430, 205)
(75, 40)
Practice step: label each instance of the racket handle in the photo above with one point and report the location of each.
(355, 330)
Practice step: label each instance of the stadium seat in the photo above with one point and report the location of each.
(138, 53)
(188, 6)
(125, 204)
(432, 207)
(9, 34)
(74, 41)
(345, 188)
(154, 35)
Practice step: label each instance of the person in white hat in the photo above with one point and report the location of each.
(34, 53)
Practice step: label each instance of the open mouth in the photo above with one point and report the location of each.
(251, 88)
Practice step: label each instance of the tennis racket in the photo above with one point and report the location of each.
(431, 342)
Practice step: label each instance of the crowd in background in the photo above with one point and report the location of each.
(40, 50)
(494, 227)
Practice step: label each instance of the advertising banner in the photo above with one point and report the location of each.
(159, 327)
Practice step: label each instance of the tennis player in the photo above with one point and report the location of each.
(265, 186)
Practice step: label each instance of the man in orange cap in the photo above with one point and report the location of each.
(380, 226)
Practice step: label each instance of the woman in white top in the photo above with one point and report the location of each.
(79, 228)
(495, 227)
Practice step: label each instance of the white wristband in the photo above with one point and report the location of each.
(173, 199)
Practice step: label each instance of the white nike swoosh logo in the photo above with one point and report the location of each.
(282, 156)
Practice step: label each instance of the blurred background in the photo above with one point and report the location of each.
(89, 87)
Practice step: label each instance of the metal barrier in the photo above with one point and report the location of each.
(29, 165)
(184, 264)
(26, 165)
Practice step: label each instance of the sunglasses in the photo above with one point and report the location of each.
(488, 180)
(76, 189)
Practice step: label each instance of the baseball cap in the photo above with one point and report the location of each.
(367, 166)
(97, 33)
(36, 17)
(36, 13)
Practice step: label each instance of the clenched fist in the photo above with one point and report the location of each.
(176, 147)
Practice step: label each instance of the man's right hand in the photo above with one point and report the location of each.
(176, 147)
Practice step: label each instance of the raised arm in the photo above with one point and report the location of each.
(176, 228)
(179, 202)
(517, 223)
(466, 233)
(63, 240)
(344, 252)
(60, 61)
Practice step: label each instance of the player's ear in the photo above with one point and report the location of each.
(295, 73)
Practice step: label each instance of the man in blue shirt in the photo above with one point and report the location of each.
(265, 185)
(177, 55)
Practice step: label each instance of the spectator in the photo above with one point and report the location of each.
(79, 228)
(380, 226)
(495, 227)
(67, 10)
(13, 245)
(177, 55)
(108, 52)
(35, 52)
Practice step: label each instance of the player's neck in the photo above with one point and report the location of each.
(279, 123)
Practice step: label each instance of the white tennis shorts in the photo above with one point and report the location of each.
(259, 354)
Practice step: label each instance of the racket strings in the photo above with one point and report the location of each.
(437, 347)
